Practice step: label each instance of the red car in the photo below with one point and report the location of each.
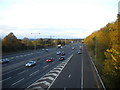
(50, 60)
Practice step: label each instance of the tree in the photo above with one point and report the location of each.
(58, 41)
(40, 42)
(11, 43)
(108, 52)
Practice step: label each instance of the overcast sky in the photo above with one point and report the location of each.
(57, 18)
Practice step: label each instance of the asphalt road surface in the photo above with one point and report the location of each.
(76, 71)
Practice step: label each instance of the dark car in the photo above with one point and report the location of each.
(62, 54)
(50, 60)
(80, 52)
(80, 47)
(62, 58)
(6, 60)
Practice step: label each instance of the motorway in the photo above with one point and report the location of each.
(76, 71)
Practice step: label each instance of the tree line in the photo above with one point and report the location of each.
(104, 47)
(10, 43)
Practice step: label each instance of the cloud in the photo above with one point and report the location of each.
(61, 17)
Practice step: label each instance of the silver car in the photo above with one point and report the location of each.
(58, 53)
(6, 60)
(73, 48)
(30, 63)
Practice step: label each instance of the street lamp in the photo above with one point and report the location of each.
(35, 45)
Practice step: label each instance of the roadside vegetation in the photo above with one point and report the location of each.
(10, 43)
(104, 48)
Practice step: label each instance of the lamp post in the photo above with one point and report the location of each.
(35, 45)
(95, 43)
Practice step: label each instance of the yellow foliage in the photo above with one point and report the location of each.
(107, 42)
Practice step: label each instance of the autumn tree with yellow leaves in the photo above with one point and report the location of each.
(105, 43)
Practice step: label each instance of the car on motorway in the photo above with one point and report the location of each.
(58, 53)
(6, 60)
(63, 53)
(80, 52)
(61, 47)
(61, 58)
(50, 60)
(80, 47)
(43, 49)
(30, 63)
(46, 50)
(73, 48)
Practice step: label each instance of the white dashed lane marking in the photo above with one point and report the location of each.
(45, 66)
(18, 81)
(34, 73)
(5, 79)
(22, 72)
(69, 76)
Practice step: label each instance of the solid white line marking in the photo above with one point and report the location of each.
(22, 72)
(59, 73)
(69, 76)
(82, 74)
(5, 79)
(34, 73)
(98, 74)
(17, 81)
